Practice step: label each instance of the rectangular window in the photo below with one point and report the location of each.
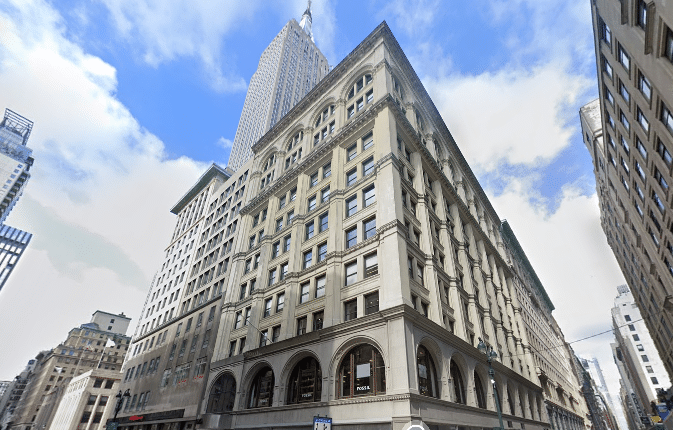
(632, 327)
(263, 337)
(320, 286)
(368, 166)
(286, 243)
(309, 230)
(606, 34)
(351, 273)
(324, 222)
(660, 179)
(369, 228)
(664, 154)
(368, 140)
(313, 181)
(322, 251)
(624, 121)
(350, 310)
(327, 170)
(308, 259)
(644, 358)
(351, 152)
(267, 307)
(351, 237)
(642, 120)
(280, 302)
(641, 148)
(293, 194)
(644, 86)
(607, 68)
(283, 271)
(281, 203)
(318, 319)
(304, 292)
(279, 224)
(351, 177)
(371, 303)
(369, 195)
(241, 345)
(624, 58)
(241, 296)
(624, 92)
(246, 320)
(668, 45)
(351, 205)
(667, 117)
(275, 250)
(641, 18)
(272, 276)
(608, 96)
(312, 202)
(301, 326)
(371, 265)
(275, 334)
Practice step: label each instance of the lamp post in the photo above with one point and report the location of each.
(490, 355)
(120, 400)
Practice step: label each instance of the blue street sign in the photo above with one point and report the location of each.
(322, 423)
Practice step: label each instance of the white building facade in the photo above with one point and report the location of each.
(641, 369)
(288, 69)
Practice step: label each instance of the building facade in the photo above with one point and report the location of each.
(289, 67)
(87, 401)
(14, 394)
(15, 159)
(348, 269)
(544, 341)
(641, 369)
(12, 244)
(87, 347)
(629, 133)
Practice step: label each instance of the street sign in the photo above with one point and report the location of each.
(322, 423)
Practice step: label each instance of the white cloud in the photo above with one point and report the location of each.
(413, 16)
(99, 181)
(224, 143)
(193, 28)
(513, 116)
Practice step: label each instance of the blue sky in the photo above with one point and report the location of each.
(132, 99)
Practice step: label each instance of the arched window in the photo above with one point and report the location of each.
(364, 80)
(324, 115)
(269, 162)
(362, 372)
(510, 401)
(458, 385)
(427, 376)
(261, 390)
(305, 384)
(222, 395)
(295, 140)
(479, 391)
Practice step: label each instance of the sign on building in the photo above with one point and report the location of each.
(322, 423)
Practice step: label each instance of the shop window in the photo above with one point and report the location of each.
(427, 375)
(362, 373)
(222, 395)
(305, 384)
(479, 391)
(458, 385)
(261, 390)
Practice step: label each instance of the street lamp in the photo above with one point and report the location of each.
(120, 400)
(490, 356)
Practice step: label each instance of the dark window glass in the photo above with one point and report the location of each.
(362, 372)
(261, 390)
(427, 376)
(222, 394)
(305, 384)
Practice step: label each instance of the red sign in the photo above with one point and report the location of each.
(136, 418)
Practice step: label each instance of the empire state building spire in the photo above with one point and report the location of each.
(306, 21)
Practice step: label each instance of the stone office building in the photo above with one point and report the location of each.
(368, 265)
